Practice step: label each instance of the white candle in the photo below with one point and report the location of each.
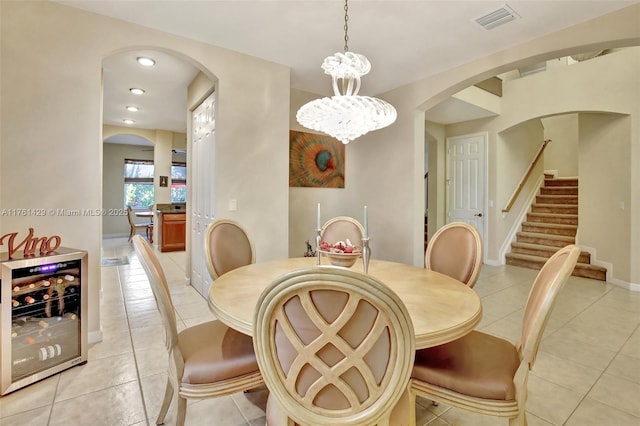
(318, 216)
(366, 223)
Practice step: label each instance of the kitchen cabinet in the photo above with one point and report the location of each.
(174, 227)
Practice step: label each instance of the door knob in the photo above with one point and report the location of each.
(478, 214)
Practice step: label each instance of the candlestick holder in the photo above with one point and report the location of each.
(318, 239)
(366, 254)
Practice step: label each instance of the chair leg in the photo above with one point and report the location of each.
(166, 402)
(132, 233)
(182, 411)
(412, 405)
(519, 420)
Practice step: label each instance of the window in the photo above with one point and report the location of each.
(138, 183)
(178, 182)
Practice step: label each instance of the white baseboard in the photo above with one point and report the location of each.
(94, 337)
(609, 266)
(493, 262)
(511, 236)
(118, 235)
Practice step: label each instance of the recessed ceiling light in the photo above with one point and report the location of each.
(147, 62)
(132, 108)
(136, 91)
(128, 121)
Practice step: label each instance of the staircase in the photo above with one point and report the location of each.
(551, 225)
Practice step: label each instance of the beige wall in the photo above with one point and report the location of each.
(617, 29)
(113, 184)
(51, 135)
(561, 154)
(513, 145)
(605, 190)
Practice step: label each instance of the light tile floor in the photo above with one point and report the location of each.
(587, 371)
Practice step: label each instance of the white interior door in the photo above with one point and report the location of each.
(203, 189)
(466, 180)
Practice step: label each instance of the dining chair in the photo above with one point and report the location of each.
(227, 246)
(206, 360)
(455, 250)
(340, 228)
(483, 373)
(334, 346)
(134, 227)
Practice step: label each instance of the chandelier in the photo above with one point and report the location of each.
(346, 115)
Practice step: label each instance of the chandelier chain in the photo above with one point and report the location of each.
(346, 26)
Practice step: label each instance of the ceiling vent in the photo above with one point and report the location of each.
(497, 17)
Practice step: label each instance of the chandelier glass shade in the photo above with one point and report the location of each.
(346, 115)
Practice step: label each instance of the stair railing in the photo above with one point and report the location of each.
(517, 191)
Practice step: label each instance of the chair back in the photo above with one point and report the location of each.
(334, 346)
(455, 250)
(340, 228)
(547, 285)
(130, 216)
(227, 246)
(160, 289)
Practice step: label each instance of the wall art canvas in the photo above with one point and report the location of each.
(315, 161)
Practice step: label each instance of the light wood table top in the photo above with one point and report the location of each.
(442, 309)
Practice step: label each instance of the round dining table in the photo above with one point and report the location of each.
(442, 308)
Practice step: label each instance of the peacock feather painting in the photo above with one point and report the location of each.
(315, 161)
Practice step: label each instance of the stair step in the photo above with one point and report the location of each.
(552, 224)
(550, 228)
(554, 208)
(569, 219)
(536, 262)
(543, 251)
(559, 190)
(561, 182)
(557, 199)
(545, 239)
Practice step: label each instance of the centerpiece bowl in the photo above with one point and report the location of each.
(341, 259)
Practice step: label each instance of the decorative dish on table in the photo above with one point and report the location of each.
(342, 253)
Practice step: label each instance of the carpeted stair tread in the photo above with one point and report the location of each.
(543, 250)
(561, 182)
(551, 205)
(536, 262)
(552, 225)
(569, 240)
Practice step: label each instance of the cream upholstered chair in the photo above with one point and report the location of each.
(134, 227)
(334, 347)
(455, 250)
(206, 360)
(340, 228)
(486, 374)
(227, 246)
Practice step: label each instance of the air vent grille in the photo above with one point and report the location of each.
(498, 17)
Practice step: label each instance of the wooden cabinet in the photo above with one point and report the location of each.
(174, 227)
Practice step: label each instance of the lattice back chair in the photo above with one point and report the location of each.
(334, 347)
(455, 250)
(134, 227)
(340, 228)
(227, 246)
(488, 375)
(206, 360)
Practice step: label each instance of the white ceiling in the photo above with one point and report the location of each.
(404, 40)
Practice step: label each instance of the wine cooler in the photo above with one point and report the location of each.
(43, 304)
